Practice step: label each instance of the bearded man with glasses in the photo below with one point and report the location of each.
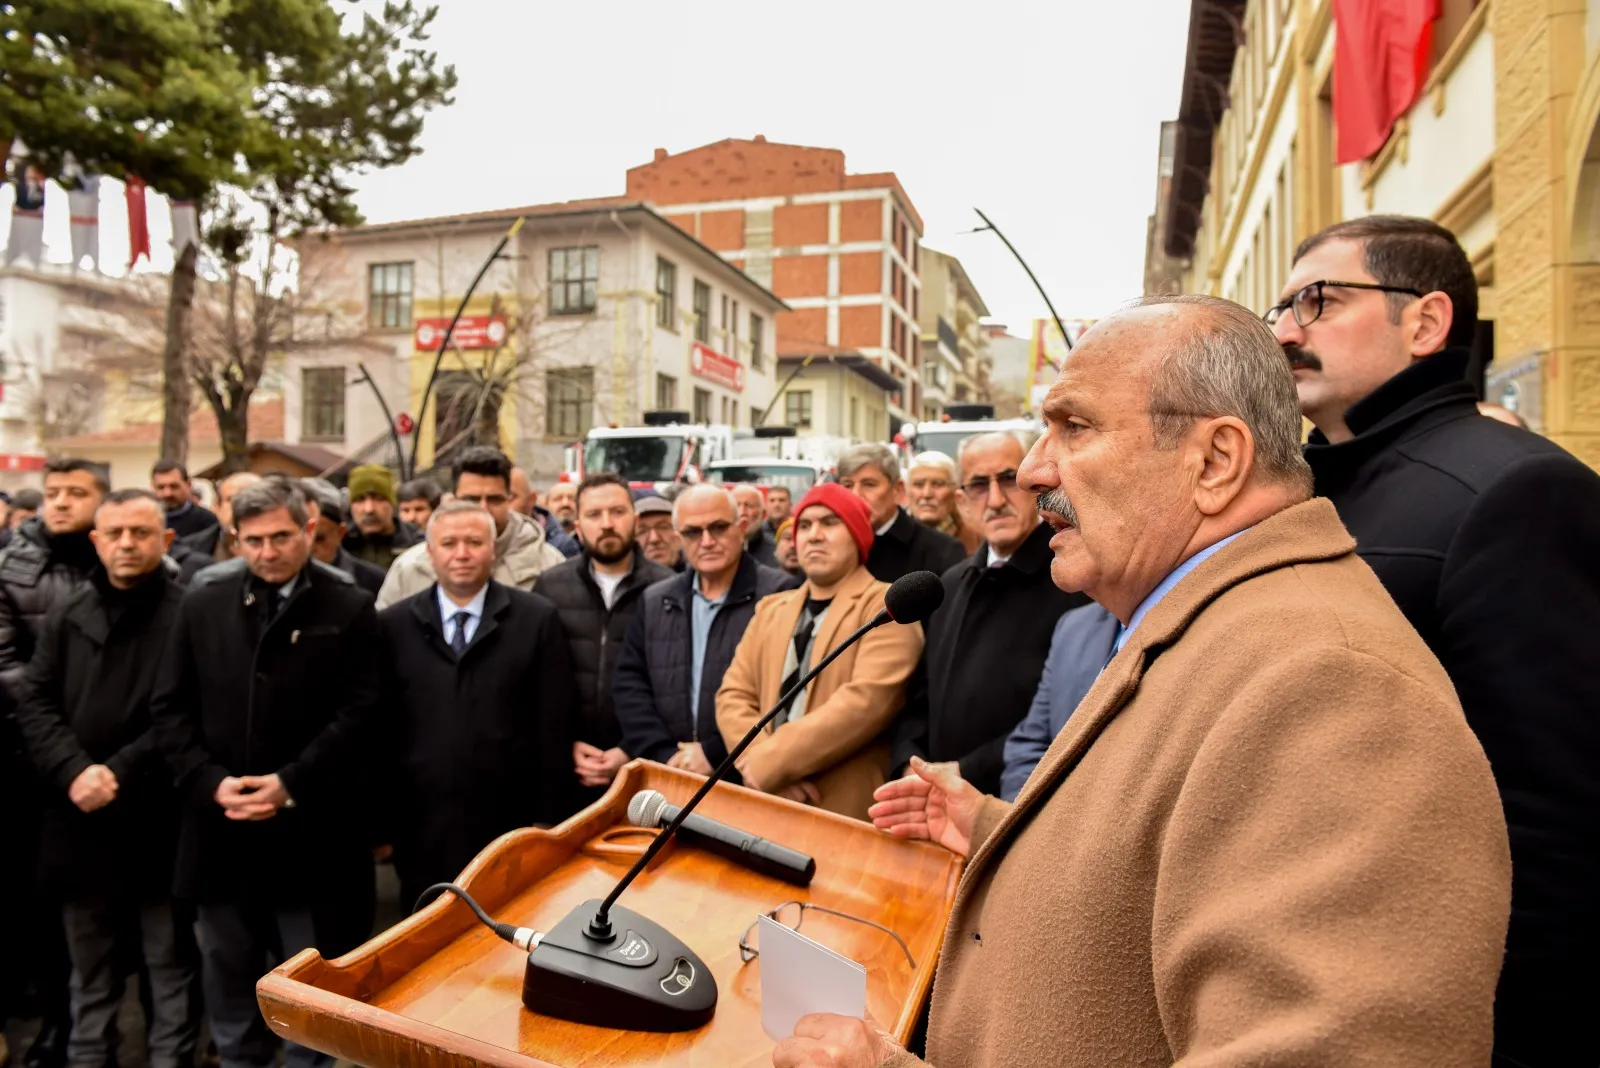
(987, 644)
(481, 476)
(1485, 535)
(682, 639)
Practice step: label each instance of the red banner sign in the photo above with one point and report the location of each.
(706, 362)
(472, 332)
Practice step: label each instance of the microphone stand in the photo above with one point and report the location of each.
(600, 925)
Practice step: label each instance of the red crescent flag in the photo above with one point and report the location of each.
(138, 222)
(1380, 62)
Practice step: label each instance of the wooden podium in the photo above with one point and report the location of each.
(440, 990)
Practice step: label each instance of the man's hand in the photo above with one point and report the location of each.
(94, 788)
(595, 766)
(933, 802)
(251, 797)
(823, 1040)
(805, 792)
(691, 756)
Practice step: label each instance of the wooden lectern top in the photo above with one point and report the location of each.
(439, 989)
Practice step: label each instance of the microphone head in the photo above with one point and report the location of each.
(645, 808)
(914, 597)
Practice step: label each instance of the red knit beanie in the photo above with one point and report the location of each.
(847, 506)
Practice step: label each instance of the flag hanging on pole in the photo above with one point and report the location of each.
(185, 227)
(27, 215)
(84, 205)
(138, 222)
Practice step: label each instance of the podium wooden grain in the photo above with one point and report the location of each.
(439, 990)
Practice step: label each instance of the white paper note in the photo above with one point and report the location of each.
(799, 977)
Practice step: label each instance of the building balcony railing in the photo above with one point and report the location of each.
(948, 335)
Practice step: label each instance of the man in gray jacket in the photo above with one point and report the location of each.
(481, 476)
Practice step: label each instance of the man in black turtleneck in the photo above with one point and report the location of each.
(47, 561)
(1486, 536)
(111, 824)
(260, 709)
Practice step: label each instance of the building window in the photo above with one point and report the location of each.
(702, 312)
(322, 403)
(666, 392)
(666, 294)
(758, 329)
(855, 417)
(702, 405)
(797, 409)
(733, 330)
(574, 278)
(569, 401)
(389, 296)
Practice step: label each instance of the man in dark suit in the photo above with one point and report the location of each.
(902, 545)
(986, 645)
(111, 826)
(261, 708)
(170, 481)
(1485, 535)
(481, 701)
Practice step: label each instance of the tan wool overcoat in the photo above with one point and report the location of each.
(1266, 837)
(839, 744)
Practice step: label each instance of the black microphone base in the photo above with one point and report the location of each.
(641, 979)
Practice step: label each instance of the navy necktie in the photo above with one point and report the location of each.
(458, 640)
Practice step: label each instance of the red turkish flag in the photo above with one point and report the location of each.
(1380, 60)
(138, 222)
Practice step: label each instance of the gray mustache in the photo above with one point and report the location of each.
(1056, 502)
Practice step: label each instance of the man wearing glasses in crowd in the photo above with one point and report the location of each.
(681, 641)
(999, 611)
(1486, 536)
(482, 476)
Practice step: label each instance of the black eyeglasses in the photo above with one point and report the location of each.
(484, 500)
(977, 488)
(1306, 303)
(716, 530)
(748, 953)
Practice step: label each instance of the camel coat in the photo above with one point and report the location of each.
(1266, 837)
(840, 743)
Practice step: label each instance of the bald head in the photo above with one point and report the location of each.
(1174, 425)
(706, 497)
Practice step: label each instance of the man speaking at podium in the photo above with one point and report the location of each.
(1266, 836)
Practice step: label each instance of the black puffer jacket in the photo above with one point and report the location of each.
(37, 570)
(655, 669)
(595, 634)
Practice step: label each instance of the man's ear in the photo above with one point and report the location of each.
(1224, 455)
(167, 537)
(1428, 324)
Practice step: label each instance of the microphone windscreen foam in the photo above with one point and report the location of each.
(914, 597)
(644, 810)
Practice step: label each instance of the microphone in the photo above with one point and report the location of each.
(635, 975)
(650, 809)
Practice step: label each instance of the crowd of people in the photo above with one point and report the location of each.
(1260, 750)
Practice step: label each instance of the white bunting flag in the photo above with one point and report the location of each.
(185, 226)
(84, 205)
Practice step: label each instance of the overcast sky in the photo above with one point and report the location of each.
(1045, 115)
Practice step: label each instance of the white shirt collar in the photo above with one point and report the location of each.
(995, 559)
(473, 608)
(885, 528)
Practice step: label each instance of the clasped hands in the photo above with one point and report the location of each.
(251, 797)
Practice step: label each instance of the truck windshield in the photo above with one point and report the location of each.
(796, 480)
(635, 459)
(945, 441)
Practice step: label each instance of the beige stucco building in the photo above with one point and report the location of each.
(1500, 147)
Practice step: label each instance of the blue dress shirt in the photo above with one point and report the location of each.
(1165, 587)
(448, 610)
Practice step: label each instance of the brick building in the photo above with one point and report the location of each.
(842, 250)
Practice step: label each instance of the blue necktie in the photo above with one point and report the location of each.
(458, 640)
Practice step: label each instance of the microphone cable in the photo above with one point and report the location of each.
(521, 937)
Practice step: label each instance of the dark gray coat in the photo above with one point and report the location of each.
(654, 669)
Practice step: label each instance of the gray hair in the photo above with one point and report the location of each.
(936, 459)
(688, 492)
(326, 495)
(1230, 364)
(268, 495)
(452, 508)
(1024, 438)
(872, 454)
